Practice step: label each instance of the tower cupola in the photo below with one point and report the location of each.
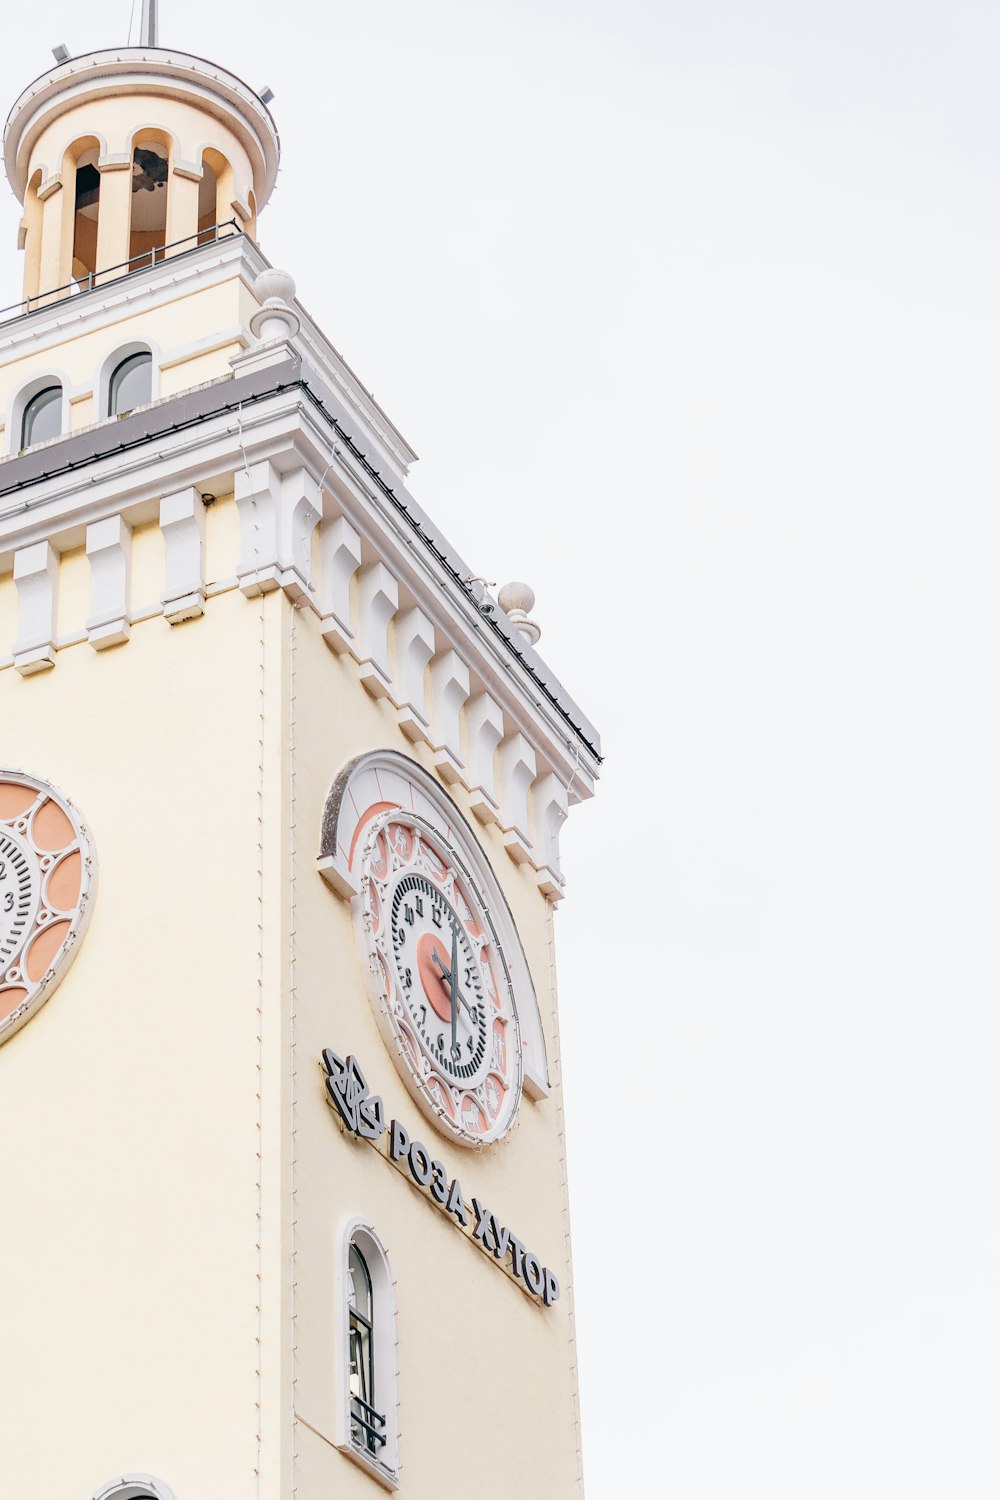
(126, 155)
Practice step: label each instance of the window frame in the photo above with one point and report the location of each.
(31, 411)
(383, 1465)
(23, 398)
(134, 1487)
(111, 362)
(124, 368)
(361, 1337)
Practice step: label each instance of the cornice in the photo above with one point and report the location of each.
(183, 275)
(286, 416)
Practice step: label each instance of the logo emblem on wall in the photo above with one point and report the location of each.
(48, 876)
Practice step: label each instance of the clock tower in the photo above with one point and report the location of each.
(281, 789)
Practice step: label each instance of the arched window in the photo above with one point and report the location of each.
(42, 417)
(87, 197)
(134, 1487)
(367, 1423)
(369, 1428)
(131, 384)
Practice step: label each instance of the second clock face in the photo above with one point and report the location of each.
(441, 978)
(47, 876)
(18, 894)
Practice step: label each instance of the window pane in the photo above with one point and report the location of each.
(361, 1284)
(131, 384)
(365, 1421)
(42, 417)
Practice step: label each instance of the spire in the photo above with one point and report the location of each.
(148, 24)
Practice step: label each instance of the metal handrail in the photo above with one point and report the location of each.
(146, 258)
(373, 1431)
(369, 1408)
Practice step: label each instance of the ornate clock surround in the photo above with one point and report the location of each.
(361, 803)
(48, 878)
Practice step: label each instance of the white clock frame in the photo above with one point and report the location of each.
(47, 914)
(386, 779)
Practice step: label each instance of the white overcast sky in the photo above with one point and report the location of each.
(691, 310)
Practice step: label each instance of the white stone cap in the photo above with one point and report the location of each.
(143, 70)
(517, 600)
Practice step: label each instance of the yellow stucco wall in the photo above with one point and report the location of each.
(129, 1104)
(181, 1051)
(484, 1372)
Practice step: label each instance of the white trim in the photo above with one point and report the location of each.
(23, 395)
(110, 363)
(150, 128)
(129, 71)
(287, 425)
(134, 1487)
(208, 266)
(127, 296)
(181, 353)
(386, 1352)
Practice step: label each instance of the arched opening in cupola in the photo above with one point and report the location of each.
(30, 236)
(207, 195)
(148, 219)
(80, 168)
(215, 196)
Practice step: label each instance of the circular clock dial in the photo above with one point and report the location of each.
(47, 873)
(18, 894)
(440, 979)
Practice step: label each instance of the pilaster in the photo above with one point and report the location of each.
(109, 552)
(182, 522)
(36, 573)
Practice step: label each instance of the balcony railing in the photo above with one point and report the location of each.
(372, 1421)
(140, 262)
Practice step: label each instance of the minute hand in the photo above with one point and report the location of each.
(449, 975)
(454, 988)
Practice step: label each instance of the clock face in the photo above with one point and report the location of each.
(440, 981)
(47, 873)
(18, 893)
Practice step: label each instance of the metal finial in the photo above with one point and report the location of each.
(148, 24)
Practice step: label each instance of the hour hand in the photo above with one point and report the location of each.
(445, 973)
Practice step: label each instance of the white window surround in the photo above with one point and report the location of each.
(359, 1232)
(110, 363)
(134, 1487)
(435, 804)
(20, 399)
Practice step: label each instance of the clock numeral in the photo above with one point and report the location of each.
(408, 978)
(471, 1043)
(440, 1041)
(438, 915)
(3, 869)
(456, 1052)
(419, 902)
(423, 1017)
(468, 975)
(8, 901)
(408, 915)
